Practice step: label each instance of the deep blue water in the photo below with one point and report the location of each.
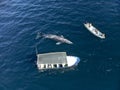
(20, 20)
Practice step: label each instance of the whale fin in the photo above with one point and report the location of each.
(39, 34)
(58, 43)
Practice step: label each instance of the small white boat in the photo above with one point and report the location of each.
(94, 31)
(56, 60)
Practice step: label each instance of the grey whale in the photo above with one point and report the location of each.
(59, 39)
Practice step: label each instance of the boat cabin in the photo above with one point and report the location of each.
(52, 60)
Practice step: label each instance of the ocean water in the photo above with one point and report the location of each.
(20, 20)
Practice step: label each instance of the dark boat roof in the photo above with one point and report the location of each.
(52, 58)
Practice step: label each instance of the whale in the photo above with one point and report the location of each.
(60, 39)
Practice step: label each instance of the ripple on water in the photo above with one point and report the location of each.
(3, 86)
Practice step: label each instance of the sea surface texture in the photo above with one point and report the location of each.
(20, 20)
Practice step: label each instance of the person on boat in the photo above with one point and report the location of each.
(89, 24)
(103, 35)
(96, 31)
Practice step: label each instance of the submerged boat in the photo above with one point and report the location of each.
(56, 60)
(94, 31)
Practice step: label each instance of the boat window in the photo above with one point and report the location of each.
(66, 65)
(39, 66)
(55, 65)
(60, 65)
(44, 66)
(49, 65)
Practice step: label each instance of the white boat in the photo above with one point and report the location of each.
(56, 60)
(94, 31)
